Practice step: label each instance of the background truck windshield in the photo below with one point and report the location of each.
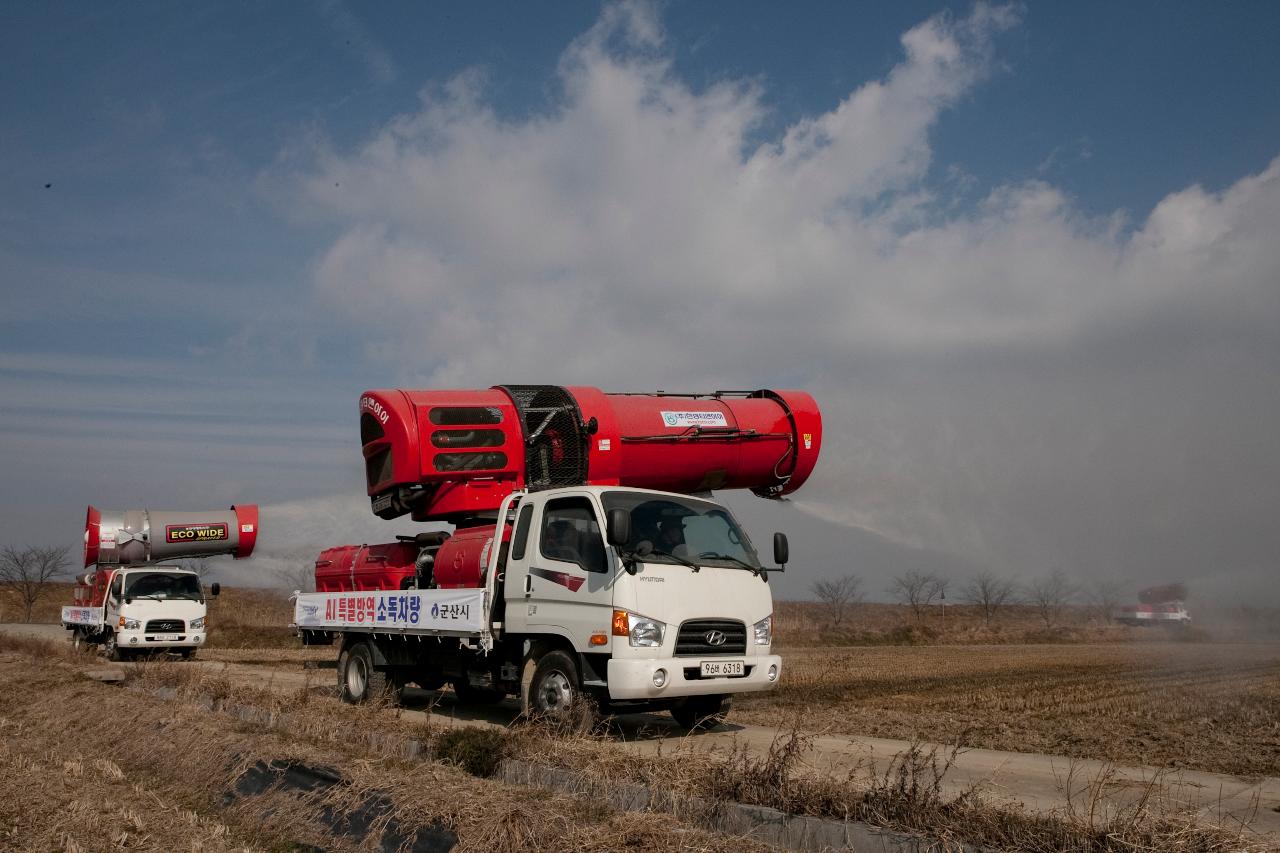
(162, 585)
(699, 531)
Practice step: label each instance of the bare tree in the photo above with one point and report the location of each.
(1050, 595)
(28, 571)
(1105, 596)
(299, 577)
(204, 571)
(837, 594)
(989, 592)
(918, 590)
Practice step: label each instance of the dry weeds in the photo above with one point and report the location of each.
(56, 712)
(1184, 705)
(150, 775)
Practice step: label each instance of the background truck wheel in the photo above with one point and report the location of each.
(111, 648)
(358, 681)
(699, 713)
(550, 690)
(79, 641)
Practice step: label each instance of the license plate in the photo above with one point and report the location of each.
(721, 668)
(168, 638)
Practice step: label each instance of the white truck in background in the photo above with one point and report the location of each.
(132, 602)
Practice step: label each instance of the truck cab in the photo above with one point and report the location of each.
(662, 595)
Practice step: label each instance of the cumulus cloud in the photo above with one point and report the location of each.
(1011, 381)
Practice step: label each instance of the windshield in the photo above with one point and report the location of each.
(162, 585)
(695, 530)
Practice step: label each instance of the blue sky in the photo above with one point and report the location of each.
(219, 224)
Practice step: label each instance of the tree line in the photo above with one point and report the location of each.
(1050, 595)
(27, 574)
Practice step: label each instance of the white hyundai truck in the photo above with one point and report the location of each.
(581, 594)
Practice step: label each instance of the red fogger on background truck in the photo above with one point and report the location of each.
(131, 602)
(587, 556)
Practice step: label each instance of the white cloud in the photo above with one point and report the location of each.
(1007, 381)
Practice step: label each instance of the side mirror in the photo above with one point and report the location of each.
(781, 551)
(619, 526)
(215, 588)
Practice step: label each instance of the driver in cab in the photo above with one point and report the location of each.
(671, 538)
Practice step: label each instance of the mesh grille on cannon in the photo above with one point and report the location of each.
(555, 445)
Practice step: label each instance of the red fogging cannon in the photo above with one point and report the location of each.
(453, 455)
(139, 536)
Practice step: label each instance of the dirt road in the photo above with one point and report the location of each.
(1039, 782)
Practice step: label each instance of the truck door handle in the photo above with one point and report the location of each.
(528, 584)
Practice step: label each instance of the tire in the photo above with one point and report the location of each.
(551, 691)
(700, 713)
(358, 680)
(111, 649)
(79, 641)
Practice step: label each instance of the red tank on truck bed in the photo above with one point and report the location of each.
(452, 455)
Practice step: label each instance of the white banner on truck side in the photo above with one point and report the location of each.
(393, 610)
(82, 616)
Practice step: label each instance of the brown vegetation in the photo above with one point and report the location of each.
(73, 777)
(1188, 705)
(133, 786)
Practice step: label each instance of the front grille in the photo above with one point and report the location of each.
(692, 639)
(164, 626)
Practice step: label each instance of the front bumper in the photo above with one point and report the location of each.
(633, 679)
(144, 640)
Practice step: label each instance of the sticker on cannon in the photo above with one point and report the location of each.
(694, 419)
(195, 532)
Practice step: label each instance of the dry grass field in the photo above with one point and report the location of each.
(89, 767)
(1133, 696)
(188, 770)
(1192, 705)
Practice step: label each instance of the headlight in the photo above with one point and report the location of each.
(764, 630)
(130, 624)
(646, 632)
(639, 630)
(196, 624)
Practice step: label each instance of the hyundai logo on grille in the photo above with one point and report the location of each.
(715, 638)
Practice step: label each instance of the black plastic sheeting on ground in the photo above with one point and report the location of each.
(266, 776)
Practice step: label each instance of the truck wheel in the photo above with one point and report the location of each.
(699, 713)
(550, 690)
(358, 681)
(111, 648)
(79, 641)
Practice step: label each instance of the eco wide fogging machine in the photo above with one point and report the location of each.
(137, 537)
